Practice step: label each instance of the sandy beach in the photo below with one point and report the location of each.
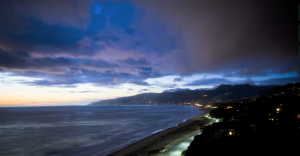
(166, 138)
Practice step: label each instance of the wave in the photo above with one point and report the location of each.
(102, 129)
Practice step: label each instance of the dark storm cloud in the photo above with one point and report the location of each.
(70, 80)
(23, 61)
(20, 61)
(23, 54)
(75, 76)
(44, 44)
(146, 69)
(67, 12)
(135, 62)
(34, 27)
(139, 83)
(98, 64)
(34, 35)
(279, 81)
(97, 41)
(218, 36)
(10, 60)
(145, 75)
(50, 35)
(169, 86)
(210, 81)
(52, 62)
(120, 14)
(177, 79)
(262, 67)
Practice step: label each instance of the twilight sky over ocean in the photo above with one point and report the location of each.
(75, 52)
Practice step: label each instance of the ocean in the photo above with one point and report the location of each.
(83, 130)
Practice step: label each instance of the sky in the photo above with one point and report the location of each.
(75, 52)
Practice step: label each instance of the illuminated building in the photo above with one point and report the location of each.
(228, 107)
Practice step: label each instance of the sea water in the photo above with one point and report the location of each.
(83, 130)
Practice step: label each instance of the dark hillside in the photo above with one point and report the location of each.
(220, 94)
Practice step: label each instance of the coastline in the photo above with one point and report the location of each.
(163, 138)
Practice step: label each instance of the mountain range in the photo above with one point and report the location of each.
(220, 94)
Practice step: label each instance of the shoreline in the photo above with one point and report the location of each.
(162, 138)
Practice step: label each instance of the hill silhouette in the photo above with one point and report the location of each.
(220, 94)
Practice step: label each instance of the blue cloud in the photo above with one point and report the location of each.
(145, 69)
(117, 13)
(135, 62)
(139, 83)
(38, 33)
(177, 79)
(278, 81)
(169, 86)
(124, 28)
(211, 81)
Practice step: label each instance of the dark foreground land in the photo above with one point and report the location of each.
(268, 126)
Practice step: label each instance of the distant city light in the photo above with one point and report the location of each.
(229, 107)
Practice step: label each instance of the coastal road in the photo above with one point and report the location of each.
(179, 137)
(181, 144)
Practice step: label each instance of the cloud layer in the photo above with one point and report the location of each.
(116, 42)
